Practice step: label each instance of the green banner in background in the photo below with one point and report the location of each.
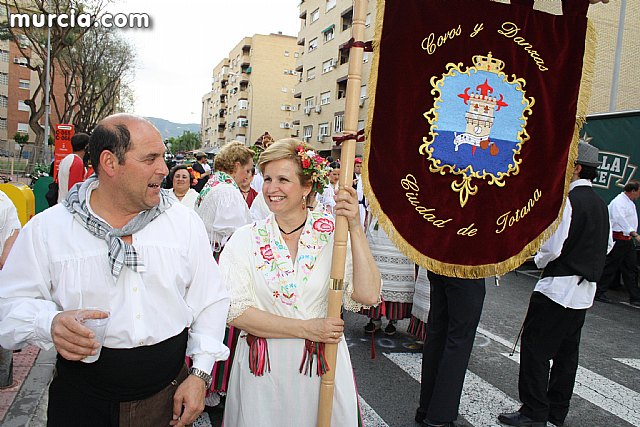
(617, 135)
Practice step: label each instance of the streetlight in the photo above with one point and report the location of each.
(47, 83)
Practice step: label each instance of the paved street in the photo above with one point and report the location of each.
(607, 392)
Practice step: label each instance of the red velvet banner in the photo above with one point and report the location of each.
(471, 130)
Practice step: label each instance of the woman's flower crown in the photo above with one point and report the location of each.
(315, 166)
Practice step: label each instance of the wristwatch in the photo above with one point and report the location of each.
(202, 375)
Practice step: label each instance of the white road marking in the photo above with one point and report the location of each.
(634, 363)
(480, 403)
(370, 418)
(617, 399)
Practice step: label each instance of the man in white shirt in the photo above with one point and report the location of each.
(622, 258)
(120, 243)
(573, 260)
(9, 226)
(71, 169)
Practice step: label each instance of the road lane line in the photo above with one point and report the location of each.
(480, 403)
(498, 339)
(634, 363)
(370, 418)
(617, 399)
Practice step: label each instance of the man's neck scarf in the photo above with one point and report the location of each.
(120, 252)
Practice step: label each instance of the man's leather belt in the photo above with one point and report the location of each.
(619, 235)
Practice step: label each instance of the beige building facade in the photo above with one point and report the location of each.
(322, 67)
(252, 92)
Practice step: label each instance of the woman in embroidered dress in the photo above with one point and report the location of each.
(180, 184)
(277, 271)
(398, 276)
(220, 203)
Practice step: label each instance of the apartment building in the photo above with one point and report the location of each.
(325, 26)
(17, 84)
(322, 67)
(251, 92)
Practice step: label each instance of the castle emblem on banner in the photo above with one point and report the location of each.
(477, 124)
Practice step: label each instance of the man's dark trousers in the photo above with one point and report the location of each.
(623, 257)
(551, 331)
(456, 306)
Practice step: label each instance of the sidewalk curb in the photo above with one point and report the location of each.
(26, 409)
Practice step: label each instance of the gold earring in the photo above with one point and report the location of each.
(304, 202)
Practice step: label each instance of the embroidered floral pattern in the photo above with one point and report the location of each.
(323, 225)
(274, 261)
(266, 252)
(217, 178)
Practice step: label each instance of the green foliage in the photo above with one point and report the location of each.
(21, 138)
(186, 142)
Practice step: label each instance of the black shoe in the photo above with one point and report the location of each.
(519, 420)
(603, 298)
(420, 416)
(372, 327)
(391, 328)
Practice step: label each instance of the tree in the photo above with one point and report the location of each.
(97, 72)
(21, 139)
(186, 142)
(32, 44)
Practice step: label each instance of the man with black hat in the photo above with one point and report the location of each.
(573, 260)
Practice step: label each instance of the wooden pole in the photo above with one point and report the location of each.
(347, 157)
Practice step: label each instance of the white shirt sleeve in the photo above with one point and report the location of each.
(236, 274)
(551, 249)
(26, 306)
(209, 301)
(223, 210)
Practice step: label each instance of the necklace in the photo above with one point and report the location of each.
(294, 230)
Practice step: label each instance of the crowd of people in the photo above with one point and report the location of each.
(216, 287)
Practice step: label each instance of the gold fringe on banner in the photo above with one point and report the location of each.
(485, 270)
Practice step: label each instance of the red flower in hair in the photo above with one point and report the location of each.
(323, 225)
(266, 252)
(306, 163)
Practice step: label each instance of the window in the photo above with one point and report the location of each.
(315, 15)
(367, 20)
(311, 73)
(4, 101)
(307, 132)
(330, 5)
(323, 129)
(325, 98)
(22, 106)
(296, 54)
(3, 123)
(327, 65)
(22, 61)
(363, 91)
(342, 88)
(4, 56)
(338, 122)
(344, 56)
(329, 33)
(284, 90)
(347, 19)
(4, 77)
(313, 44)
(309, 102)
(243, 104)
(286, 53)
(23, 127)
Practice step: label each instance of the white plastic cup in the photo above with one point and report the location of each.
(98, 326)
